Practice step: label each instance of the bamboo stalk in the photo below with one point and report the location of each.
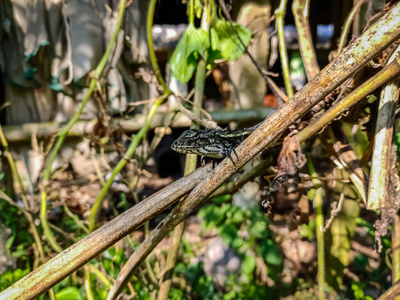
(346, 27)
(349, 160)
(379, 177)
(301, 10)
(318, 201)
(391, 293)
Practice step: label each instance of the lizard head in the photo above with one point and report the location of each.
(186, 141)
(197, 141)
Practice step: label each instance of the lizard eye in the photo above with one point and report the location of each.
(190, 134)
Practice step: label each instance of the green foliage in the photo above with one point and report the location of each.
(17, 243)
(230, 220)
(308, 230)
(175, 294)
(269, 251)
(248, 264)
(198, 8)
(142, 291)
(224, 41)
(113, 260)
(242, 287)
(69, 293)
(358, 288)
(397, 141)
(9, 277)
(187, 53)
(220, 41)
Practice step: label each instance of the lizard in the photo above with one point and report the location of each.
(213, 143)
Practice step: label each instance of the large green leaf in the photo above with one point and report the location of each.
(224, 41)
(186, 55)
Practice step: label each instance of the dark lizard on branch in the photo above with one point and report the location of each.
(213, 143)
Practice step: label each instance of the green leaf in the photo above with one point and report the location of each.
(221, 199)
(308, 230)
(235, 215)
(230, 295)
(259, 229)
(224, 41)
(229, 234)
(248, 264)
(9, 277)
(198, 8)
(69, 293)
(211, 214)
(9, 242)
(175, 294)
(270, 253)
(186, 55)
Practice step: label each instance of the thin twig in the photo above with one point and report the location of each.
(335, 210)
(192, 116)
(346, 27)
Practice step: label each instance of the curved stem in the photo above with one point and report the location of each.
(153, 59)
(191, 20)
(280, 13)
(347, 25)
(318, 201)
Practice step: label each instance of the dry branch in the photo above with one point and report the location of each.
(391, 293)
